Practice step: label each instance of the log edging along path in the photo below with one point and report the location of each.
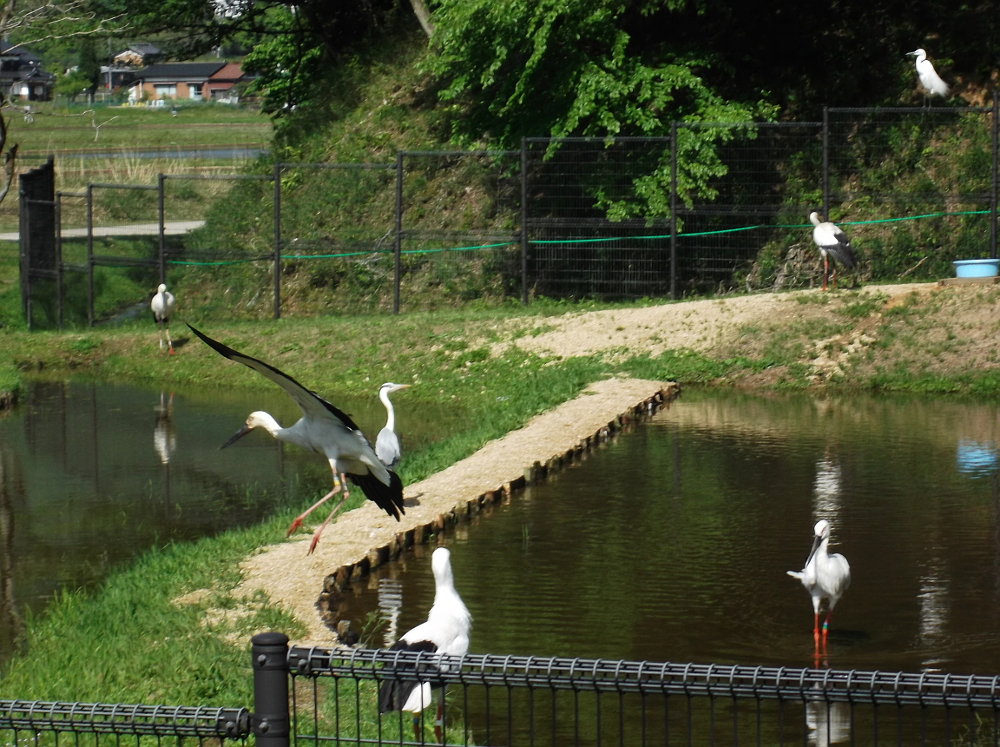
(365, 538)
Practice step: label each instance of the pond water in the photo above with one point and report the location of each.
(672, 542)
(93, 475)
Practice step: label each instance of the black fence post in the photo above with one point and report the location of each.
(826, 163)
(524, 221)
(90, 255)
(270, 721)
(397, 270)
(993, 181)
(673, 211)
(277, 240)
(161, 209)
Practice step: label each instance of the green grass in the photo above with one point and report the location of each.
(59, 129)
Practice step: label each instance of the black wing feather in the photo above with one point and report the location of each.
(387, 497)
(393, 693)
(235, 355)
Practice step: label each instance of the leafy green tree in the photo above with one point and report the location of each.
(90, 65)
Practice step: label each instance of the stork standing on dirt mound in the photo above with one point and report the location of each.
(326, 430)
(832, 242)
(445, 632)
(162, 306)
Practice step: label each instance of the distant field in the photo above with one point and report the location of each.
(125, 132)
(125, 128)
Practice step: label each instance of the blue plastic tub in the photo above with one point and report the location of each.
(976, 268)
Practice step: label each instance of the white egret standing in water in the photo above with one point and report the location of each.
(825, 576)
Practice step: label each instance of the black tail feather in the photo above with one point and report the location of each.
(393, 693)
(387, 497)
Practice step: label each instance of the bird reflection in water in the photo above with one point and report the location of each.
(828, 722)
(164, 434)
(390, 602)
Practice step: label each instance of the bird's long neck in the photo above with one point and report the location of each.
(266, 421)
(390, 422)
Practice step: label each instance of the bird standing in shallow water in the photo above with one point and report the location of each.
(446, 631)
(825, 576)
(387, 444)
(326, 430)
(162, 306)
(929, 78)
(834, 243)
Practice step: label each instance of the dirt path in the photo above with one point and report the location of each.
(295, 580)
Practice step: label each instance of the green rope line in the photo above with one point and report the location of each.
(574, 241)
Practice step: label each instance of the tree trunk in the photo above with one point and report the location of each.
(423, 15)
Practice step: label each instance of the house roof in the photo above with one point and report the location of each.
(144, 49)
(173, 71)
(230, 72)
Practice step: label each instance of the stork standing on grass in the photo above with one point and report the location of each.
(446, 631)
(326, 430)
(929, 78)
(162, 306)
(824, 576)
(387, 444)
(832, 242)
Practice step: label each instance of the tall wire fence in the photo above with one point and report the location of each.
(576, 217)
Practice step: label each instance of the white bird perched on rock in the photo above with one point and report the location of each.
(824, 576)
(446, 631)
(387, 444)
(162, 306)
(832, 242)
(929, 78)
(326, 430)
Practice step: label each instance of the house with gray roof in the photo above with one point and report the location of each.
(173, 81)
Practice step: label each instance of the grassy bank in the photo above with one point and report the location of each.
(169, 629)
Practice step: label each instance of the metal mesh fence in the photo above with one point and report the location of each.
(713, 207)
(519, 700)
(44, 722)
(770, 173)
(597, 217)
(914, 185)
(338, 242)
(459, 227)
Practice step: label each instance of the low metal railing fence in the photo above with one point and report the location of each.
(318, 696)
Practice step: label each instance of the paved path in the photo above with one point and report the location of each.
(170, 228)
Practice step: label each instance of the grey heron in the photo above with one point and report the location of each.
(326, 430)
(162, 307)
(832, 242)
(824, 576)
(387, 443)
(446, 631)
(929, 78)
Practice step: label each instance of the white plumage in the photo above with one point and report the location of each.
(929, 78)
(326, 430)
(824, 576)
(387, 444)
(162, 307)
(832, 242)
(446, 631)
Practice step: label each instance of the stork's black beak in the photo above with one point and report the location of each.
(236, 436)
(816, 539)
